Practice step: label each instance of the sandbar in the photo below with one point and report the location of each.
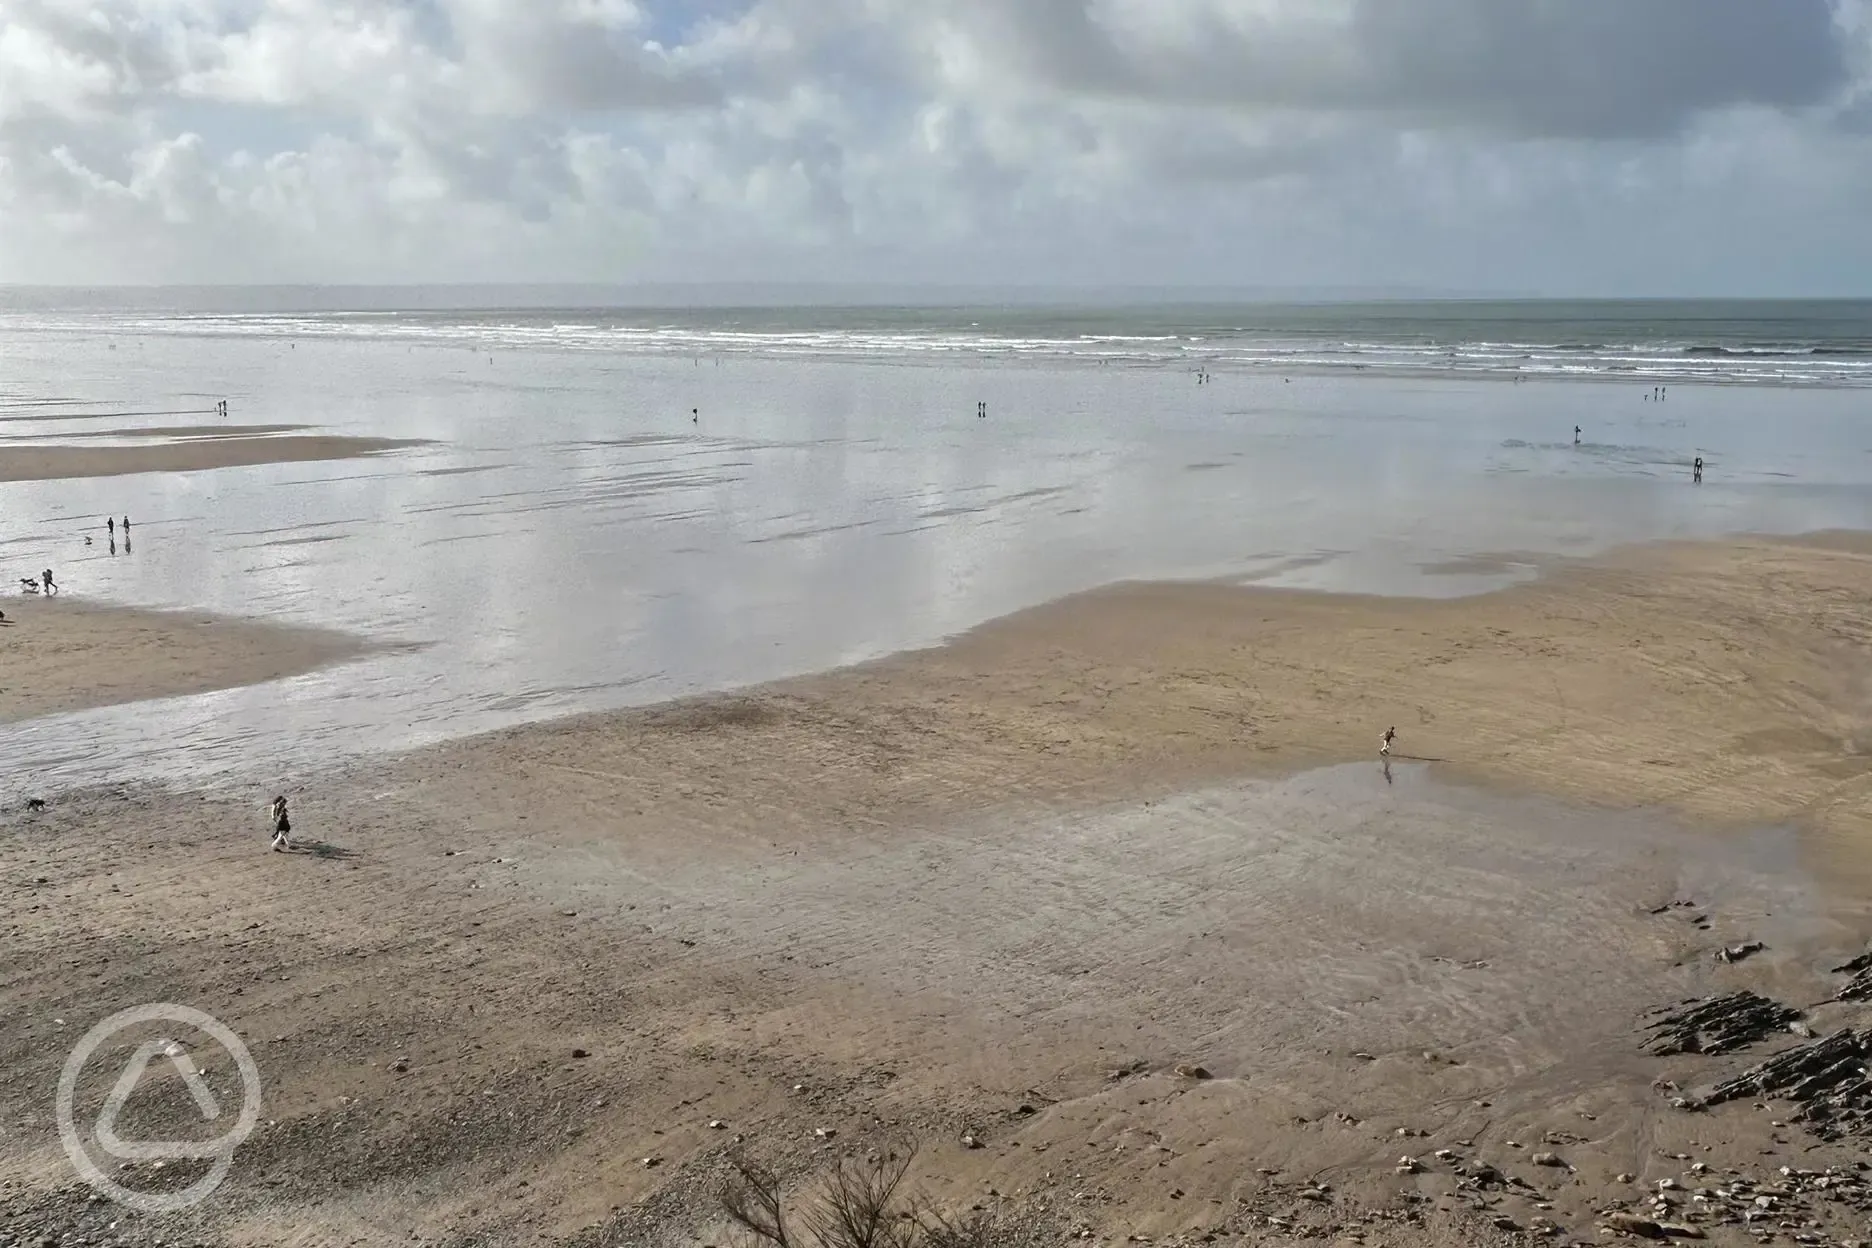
(59, 655)
(234, 447)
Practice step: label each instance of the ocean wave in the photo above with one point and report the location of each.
(1035, 340)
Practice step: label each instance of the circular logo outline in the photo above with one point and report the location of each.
(222, 1149)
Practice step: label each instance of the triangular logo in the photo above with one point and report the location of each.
(127, 1083)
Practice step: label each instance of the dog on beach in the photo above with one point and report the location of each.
(282, 825)
(35, 803)
(30, 584)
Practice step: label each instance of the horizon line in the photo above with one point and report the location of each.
(984, 292)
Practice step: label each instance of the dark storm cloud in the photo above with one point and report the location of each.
(1536, 68)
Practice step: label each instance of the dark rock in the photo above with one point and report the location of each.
(1719, 1024)
(1858, 988)
(1860, 963)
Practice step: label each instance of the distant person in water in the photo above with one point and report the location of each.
(126, 526)
(695, 415)
(1384, 742)
(1575, 435)
(1696, 471)
(110, 524)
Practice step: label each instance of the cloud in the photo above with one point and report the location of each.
(1528, 68)
(1240, 141)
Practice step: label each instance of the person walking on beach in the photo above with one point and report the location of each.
(45, 578)
(126, 526)
(1384, 742)
(282, 825)
(1696, 471)
(110, 523)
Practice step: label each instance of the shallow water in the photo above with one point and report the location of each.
(573, 540)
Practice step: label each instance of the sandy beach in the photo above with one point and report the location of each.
(1007, 895)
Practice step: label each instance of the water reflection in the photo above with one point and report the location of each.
(576, 541)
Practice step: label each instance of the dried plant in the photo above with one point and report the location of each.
(751, 1199)
(860, 1204)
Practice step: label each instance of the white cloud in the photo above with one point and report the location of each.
(1495, 143)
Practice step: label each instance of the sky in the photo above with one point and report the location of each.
(1561, 147)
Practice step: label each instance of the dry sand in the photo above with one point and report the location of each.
(1002, 889)
(58, 654)
(186, 449)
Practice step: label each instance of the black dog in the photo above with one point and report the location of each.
(35, 803)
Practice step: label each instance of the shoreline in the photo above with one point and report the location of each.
(530, 986)
(1250, 646)
(1509, 689)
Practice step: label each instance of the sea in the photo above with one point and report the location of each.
(621, 497)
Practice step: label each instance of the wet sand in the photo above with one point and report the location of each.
(1004, 888)
(61, 654)
(1727, 682)
(186, 449)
